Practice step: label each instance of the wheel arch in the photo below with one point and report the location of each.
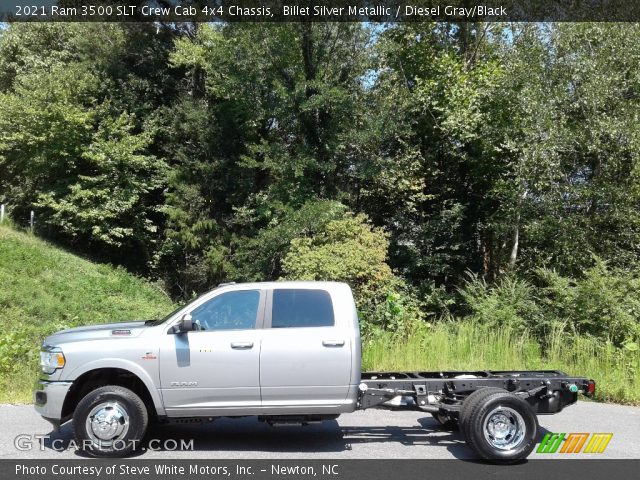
(93, 376)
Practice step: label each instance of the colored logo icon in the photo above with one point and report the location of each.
(574, 443)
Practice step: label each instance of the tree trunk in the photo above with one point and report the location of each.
(516, 234)
(514, 248)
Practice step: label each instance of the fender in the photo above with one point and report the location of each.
(124, 365)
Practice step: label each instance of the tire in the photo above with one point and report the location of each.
(500, 426)
(124, 422)
(445, 422)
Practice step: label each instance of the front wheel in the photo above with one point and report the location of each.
(500, 426)
(110, 422)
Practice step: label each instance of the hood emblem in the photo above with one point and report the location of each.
(120, 332)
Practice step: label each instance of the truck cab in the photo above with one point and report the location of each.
(287, 350)
(263, 349)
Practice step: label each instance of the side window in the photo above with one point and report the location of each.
(301, 308)
(229, 311)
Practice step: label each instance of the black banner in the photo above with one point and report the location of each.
(320, 469)
(320, 10)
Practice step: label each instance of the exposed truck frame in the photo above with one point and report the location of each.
(546, 391)
(491, 407)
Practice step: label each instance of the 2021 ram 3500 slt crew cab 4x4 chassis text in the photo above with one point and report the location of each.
(288, 352)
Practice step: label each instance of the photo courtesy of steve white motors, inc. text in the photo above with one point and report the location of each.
(169, 470)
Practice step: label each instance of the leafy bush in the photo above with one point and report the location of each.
(510, 302)
(604, 302)
(16, 348)
(260, 258)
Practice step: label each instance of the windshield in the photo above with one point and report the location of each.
(152, 323)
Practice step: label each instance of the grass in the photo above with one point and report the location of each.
(44, 289)
(468, 346)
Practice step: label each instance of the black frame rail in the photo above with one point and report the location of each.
(547, 391)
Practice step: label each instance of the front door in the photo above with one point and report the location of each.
(216, 367)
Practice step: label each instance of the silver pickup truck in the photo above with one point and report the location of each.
(288, 352)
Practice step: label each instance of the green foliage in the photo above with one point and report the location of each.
(604, 303)
(282, 97)
(510, 302)
(16, 348)
(197, 154)
(488, 148)
(44, 130)
(77, 130)
(430, 177)
(45, 289)
(347, 249)
(576, 144)
(262, 256)
(106, 202)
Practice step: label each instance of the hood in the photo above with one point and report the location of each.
(93, 332)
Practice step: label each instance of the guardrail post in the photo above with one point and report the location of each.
(31, 220)
(2, 213)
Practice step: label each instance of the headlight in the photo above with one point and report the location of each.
(51, 359)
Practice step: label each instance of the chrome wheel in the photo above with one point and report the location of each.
(107, 423)
(504, 428)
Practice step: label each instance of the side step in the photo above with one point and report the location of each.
(294, 420)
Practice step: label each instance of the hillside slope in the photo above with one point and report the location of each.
(44, 289)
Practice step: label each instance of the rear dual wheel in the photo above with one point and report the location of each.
(498, 425)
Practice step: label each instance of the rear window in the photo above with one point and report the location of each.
(301, 308)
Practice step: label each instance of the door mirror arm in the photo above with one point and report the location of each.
(184, 325)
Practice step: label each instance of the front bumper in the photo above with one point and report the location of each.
(48, 400)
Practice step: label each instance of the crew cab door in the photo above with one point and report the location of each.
(306, 353)
(215, 369)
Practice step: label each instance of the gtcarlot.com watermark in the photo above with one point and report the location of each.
(27, 442)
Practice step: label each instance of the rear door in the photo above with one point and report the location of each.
(306, 353)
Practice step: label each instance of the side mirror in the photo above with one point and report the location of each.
(184, 325)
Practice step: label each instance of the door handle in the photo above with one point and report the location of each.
(242, 345)
(333, 343)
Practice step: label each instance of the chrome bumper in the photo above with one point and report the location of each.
(48, 400)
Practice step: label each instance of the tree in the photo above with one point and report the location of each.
(430, 179)
(78, 134)
(572, 140)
